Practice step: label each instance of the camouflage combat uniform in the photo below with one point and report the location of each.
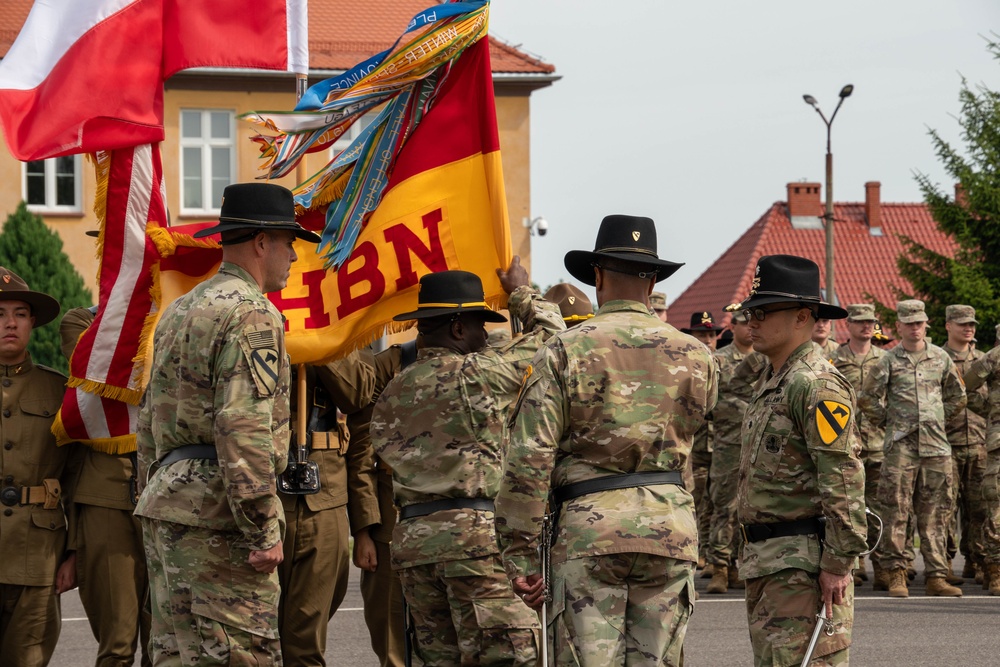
(829, 348)
(912, 395)
(856, 368)
(986, 370)
(967, 436)
(699, 465)
(799, 463)
(439, 425)
(621, 393)
(317, 554)
(738, 373)
(220, 378)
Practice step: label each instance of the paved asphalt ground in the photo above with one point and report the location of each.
(916, 632)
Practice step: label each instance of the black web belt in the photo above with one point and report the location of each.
(423, 509)
(190, 452)
(626, 481)
(765, 531)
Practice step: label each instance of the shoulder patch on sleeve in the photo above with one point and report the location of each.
(831, 420)
(260, 346)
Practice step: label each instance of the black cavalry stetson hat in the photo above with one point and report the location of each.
(261, 206)
(448, 292)
(703, 321)
(628, 239)
(784, 278)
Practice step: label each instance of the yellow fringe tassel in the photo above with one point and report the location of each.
(123, 444)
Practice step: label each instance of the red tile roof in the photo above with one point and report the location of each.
(342, 33)
(862, 262)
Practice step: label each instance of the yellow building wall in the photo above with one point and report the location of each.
(512, 120)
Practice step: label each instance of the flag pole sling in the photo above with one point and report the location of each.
(301, 85)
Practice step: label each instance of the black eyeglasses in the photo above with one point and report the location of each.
(759, 313)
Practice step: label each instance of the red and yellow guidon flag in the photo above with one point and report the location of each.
(444, 208)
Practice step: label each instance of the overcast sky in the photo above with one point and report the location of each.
(691, 113)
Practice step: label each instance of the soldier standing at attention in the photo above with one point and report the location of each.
(35, 566)
(912, 392)
(855, 359)
(212, 436)
(967, 436)
(439, 425)
(607, 415)
(801, 495)
(704, 328)
(110, 561)
(317, 554)
(735, 391)
(658, 304)
(822, 336)
(986, 371)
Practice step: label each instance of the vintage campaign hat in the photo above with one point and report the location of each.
(861, 312)
(960, 314)
(448, 292)
(44, 308)
(657, 300)
(910, 311)
(702, 321)
(628, 239)
(260, 206)
(574, 305)
(784, 278)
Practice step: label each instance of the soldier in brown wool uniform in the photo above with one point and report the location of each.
(110, 562)
(35, 475)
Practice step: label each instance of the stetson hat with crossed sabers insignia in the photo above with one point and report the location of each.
(628, 240)
(702, 321)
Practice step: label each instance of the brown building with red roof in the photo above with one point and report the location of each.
(208, 102)
(866, 245)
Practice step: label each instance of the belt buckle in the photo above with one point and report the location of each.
(10, 496)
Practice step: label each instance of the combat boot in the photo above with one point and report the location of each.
(734, 577)
(897, 583)
(708, 571)
(969, 569)
(991, 576)
(952, 578)
(939, 586)
(720, 580)
(880, 580)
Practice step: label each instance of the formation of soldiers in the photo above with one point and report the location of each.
(584, 469)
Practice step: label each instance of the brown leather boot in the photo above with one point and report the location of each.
(991, 572)
(881, 577)
(897, 583)
(969, 569)
(939, 586)
(953, 578)
(734, 577)
(720, 580)
(708, 571)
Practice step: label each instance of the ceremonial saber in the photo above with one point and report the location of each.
(822, 621)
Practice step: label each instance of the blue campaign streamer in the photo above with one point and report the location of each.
(317, 95)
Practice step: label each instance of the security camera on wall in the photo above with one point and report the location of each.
(543, 226)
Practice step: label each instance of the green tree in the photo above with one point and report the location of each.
(34, 252)
(970, 217)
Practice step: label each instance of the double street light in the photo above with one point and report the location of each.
(845, 92)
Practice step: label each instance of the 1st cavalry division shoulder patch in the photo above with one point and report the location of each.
(831, 420)
(261, 348)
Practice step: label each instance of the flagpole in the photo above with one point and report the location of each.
(301, 85)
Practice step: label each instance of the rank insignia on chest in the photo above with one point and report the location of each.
(831, 420)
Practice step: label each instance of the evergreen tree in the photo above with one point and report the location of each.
(970, 217)
(34, 252)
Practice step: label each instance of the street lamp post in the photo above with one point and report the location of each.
(845, 92)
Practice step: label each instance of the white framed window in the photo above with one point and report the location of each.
(208, 159)
(53, 185)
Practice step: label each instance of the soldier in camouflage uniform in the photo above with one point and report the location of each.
(607, 416)
(739, 369)
(801, 486)
(704, 328)
(36, 562)
(912, 392)
(658, 304)
(212, 436)
(967, 436)
(985, 371)
(855, 360)
(439, 426)
(822, 335)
